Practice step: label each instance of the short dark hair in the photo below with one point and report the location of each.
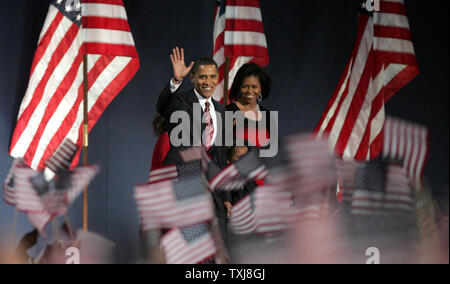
(202, 62)
(251, 69)
(158, 125)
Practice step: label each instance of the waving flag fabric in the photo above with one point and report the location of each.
(188, 245)
(382, 188)
(382, 62)
(407, 143)
(237, 174)
(52, 108)
(238, 35)
(175, 202)
(42, 205)
(243, 219)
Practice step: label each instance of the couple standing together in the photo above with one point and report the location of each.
(250, 86)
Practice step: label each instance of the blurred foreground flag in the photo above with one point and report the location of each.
(175, 201)
(407, 143)
(382, 188)
(188, 245)
(382, 62)
(48, 193)
(52, 108)
(237, 174)
(43, 200)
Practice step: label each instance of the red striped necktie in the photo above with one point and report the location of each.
(209, 129)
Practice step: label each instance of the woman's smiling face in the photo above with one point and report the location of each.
(250, 90)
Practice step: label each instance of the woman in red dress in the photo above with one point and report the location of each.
(251, 85)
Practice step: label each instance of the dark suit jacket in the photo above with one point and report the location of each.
(168, 103)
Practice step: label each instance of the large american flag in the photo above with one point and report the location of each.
(238, 35)
(52, 108)
(382, 62)
(407, 143)
(188, 245)
(171, 203)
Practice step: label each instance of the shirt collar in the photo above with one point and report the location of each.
(202, 100)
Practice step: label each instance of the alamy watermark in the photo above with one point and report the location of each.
(74, 255)
(374, 255)
(265, 132)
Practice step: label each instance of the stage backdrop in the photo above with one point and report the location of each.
(309, 42)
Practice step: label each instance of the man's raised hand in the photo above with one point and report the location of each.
(179, 67)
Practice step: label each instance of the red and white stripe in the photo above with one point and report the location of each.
(312, 163)
(238, 35)
(9, 194)
(52, 108)
(297, 192)
(62, 157)
(27, 200)
(178, 251)
(397, 196)
(274, 209)
(382, 62)
(407, 142)
(163, 174)
(158, 207)
(243, 219)
(37, 219)
(231, 179)
(346, 174)
(54, 203)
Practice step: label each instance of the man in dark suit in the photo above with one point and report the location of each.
(200, 116)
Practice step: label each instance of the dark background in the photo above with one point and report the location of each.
(309, 43)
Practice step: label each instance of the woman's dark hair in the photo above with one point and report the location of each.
(251, 69)
(158, 125)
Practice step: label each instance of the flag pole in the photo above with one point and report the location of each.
(226, 80)
(85, 138)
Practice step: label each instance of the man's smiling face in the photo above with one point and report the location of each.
(205, 80)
